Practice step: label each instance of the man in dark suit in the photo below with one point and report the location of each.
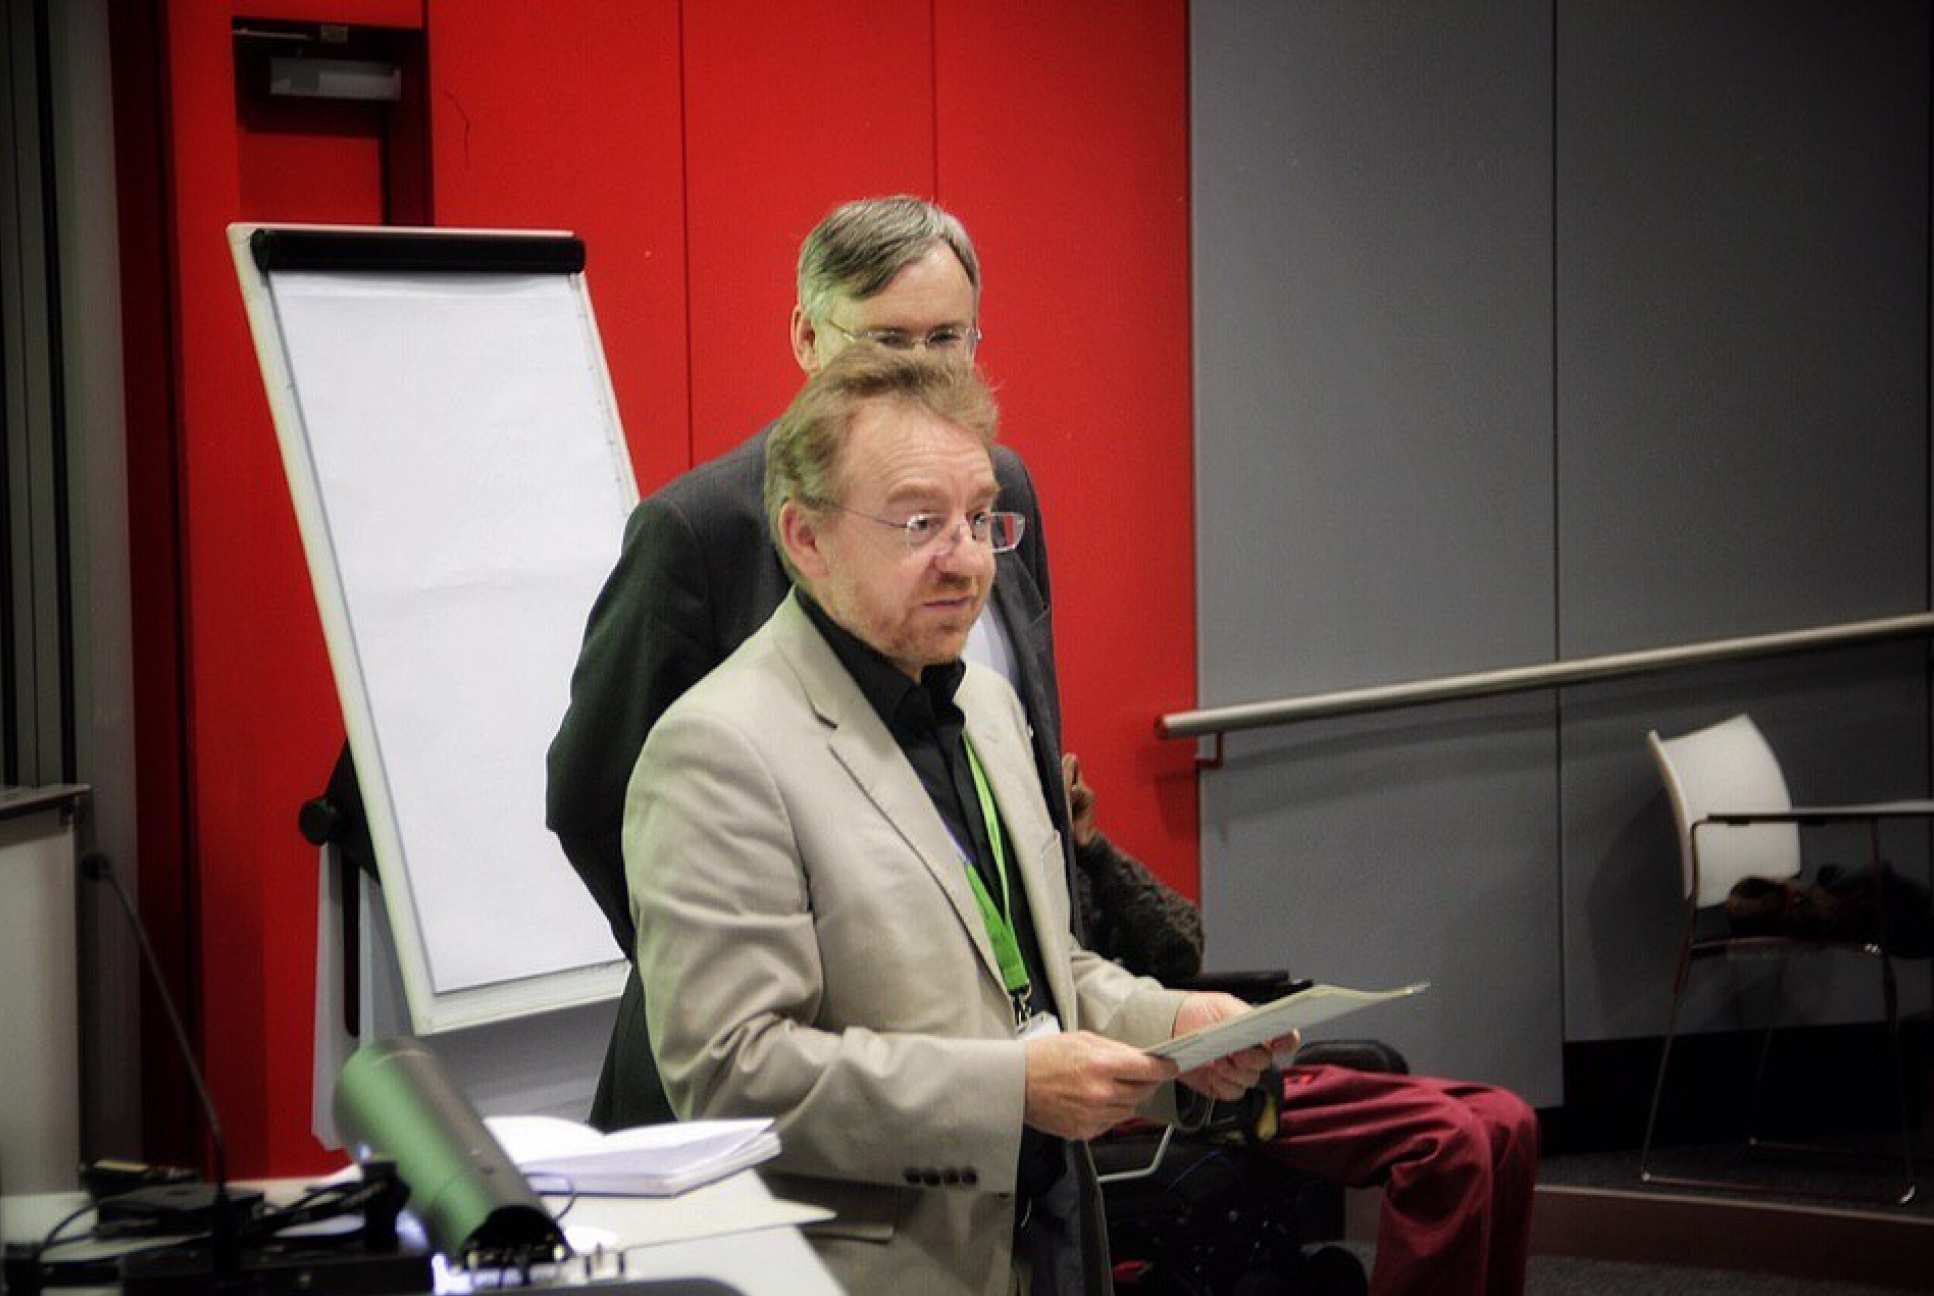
(699, 575)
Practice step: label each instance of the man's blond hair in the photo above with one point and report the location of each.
(804, 450)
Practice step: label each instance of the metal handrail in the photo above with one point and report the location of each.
(1519, 679)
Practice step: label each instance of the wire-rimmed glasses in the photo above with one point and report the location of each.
(946, 340)
(999, 532)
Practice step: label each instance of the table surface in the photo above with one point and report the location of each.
(734, 1231)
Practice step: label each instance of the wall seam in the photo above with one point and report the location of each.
(188, 881)
(1557, 570)
(685, 237)
(933, 88)
(9, 679)
(56, 393)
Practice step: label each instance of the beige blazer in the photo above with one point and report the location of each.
(811, 950)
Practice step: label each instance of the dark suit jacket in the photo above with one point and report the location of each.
(697, 576)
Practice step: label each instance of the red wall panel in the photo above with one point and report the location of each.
(785, 119)
(262, 722)
(567, 115)
(313, 161)
(1063, 143)
(169, 1112)
(692, 146)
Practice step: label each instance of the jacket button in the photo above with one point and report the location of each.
(931, 1178)
(969, 1177)
(911, 1175)
(950, 1175)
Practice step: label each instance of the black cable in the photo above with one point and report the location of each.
(82, 1271)
(95, 1235)
(48, 1242)
(570, 1189)
(96, 865)
(313, 1207)
(355, 1189)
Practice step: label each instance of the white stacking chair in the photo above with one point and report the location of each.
(1736, 820)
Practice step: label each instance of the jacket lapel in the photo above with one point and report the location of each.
(1017, 792)
(861, 743)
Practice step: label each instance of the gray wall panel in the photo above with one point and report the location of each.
(1742, 242)
(1379, 850)
(1531, 331)
(1742, 343)
(1373, 449)
(1373, 398)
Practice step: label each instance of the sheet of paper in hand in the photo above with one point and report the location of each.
(1298, 1010)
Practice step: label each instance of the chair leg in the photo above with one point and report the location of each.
(1679, 982)
(1765, 1053)
(1891, 992)
(1908, 1190)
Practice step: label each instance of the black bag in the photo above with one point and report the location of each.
(1218, 1217)
(1868, 907)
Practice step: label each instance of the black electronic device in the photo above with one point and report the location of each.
(172, 1210)
(296, 1267)
(232, 1245)
(112, 1176)
(658, 1287)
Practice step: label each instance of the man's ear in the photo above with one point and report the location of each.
(805, 340)
(799, 533)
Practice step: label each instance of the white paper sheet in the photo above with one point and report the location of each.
(1299, 1011)
(474, 494)
(642, 1161)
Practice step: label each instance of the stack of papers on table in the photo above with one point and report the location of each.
(644, 1161)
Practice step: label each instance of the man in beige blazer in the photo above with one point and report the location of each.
(851, 908)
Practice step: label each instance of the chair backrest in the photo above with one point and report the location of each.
(1726, 766)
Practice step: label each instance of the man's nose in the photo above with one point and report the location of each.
(959, 553)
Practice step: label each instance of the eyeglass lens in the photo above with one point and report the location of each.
(944, 340)
(998, 531)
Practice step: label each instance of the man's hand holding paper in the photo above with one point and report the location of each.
(1226, 1078)
(1081, 1085)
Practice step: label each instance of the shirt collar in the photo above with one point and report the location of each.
(900, 702)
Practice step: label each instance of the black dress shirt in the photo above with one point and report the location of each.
(931, 730)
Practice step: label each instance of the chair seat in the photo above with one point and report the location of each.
(1763, 947)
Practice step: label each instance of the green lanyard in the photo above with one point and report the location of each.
(1000, 922)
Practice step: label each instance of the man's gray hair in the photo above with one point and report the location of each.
(804, 449)
(860, 246)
